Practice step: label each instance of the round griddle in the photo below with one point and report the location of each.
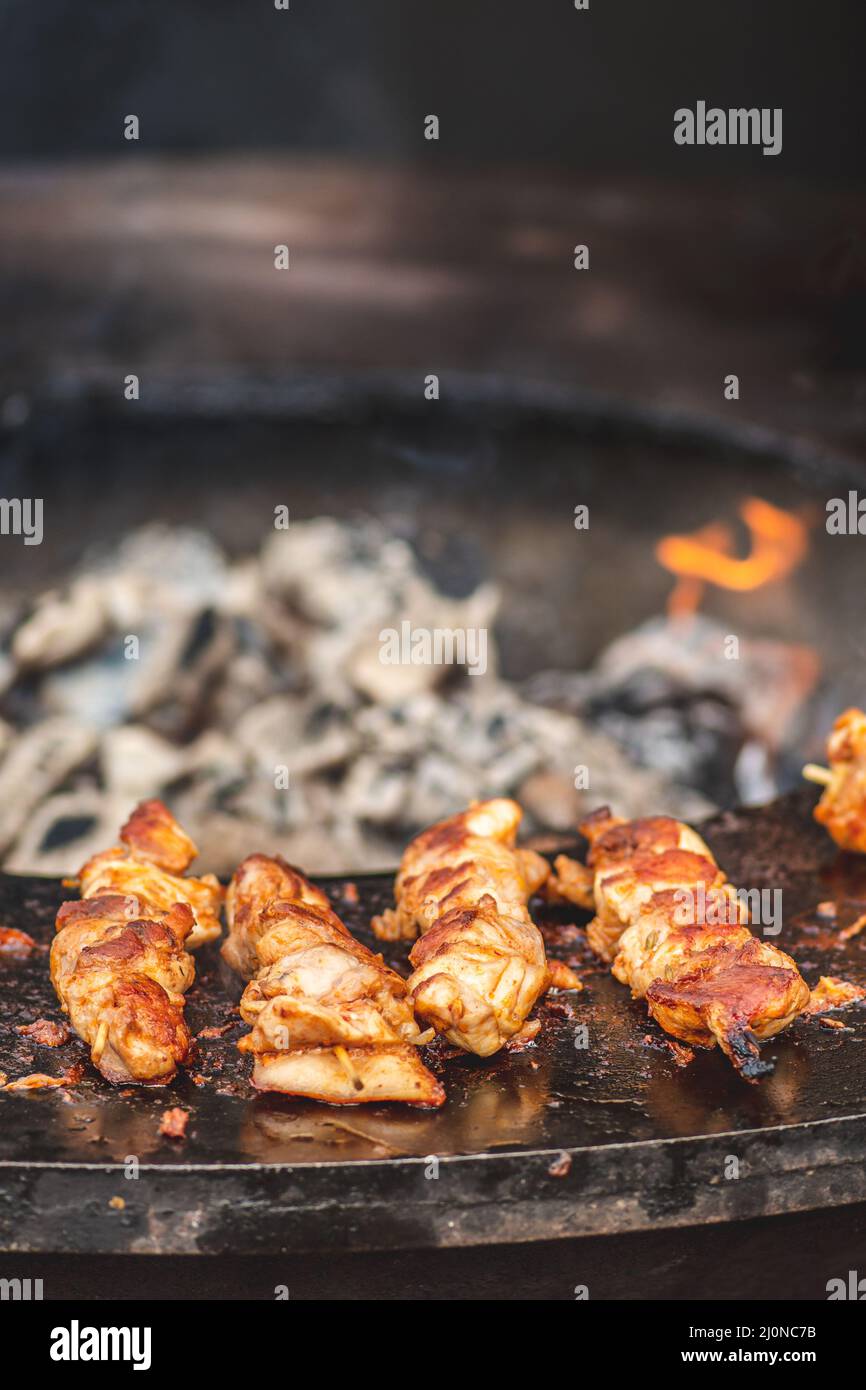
(553, 1140)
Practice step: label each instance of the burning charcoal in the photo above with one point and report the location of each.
(168, 570)
(438, 786)
(285, 732)
(62, 626)
(66, 830)
(422, 611)
(767, 682)
(137, 763)
(336, 575)
(101, 691)
(38, 761)
(668, 695)
(376, 791)
(268, 666)
(550, 798)
(190, 654)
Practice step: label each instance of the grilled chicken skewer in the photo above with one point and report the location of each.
(480, 963)
(120, 961)
(329, 1019)
(675, 932)
(151, 862)
(842, 808)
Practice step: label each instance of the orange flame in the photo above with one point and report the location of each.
(779, 542)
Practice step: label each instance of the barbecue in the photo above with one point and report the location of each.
(263, 1171)
(329, 1019)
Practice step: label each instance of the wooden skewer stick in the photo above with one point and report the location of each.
(345, 1061)
(99, 1043)
(814, 772)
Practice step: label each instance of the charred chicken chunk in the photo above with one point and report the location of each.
(677, 934)
(329, 1019)
(151, 862)
(121, 977)
(842, 808)
(480, 964)
(120, 962)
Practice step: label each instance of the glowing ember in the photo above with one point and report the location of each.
(779, 542)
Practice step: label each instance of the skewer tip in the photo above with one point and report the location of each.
(813, 772)
(99, 1043)
(345, 1061)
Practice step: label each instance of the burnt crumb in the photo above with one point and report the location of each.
(39, 1081)
(45, 1032)
(440, 1050)
(15, 943)
(561, 1167)
(681, 1054)
(215, 1031)
(560, 1008)
(565, 934)
(350, 893)
(174, 1122)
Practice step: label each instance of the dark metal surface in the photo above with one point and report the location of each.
(646, 1141)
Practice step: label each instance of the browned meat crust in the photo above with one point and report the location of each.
(329, 1019)
(675, 932)
(842, 808)
(119, 961)
(480, 964)
(151, 862)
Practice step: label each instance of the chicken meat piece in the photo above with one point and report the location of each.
(329, 1019)
(456, 863)
(677, 934)
(121, 976)
(628, 862)
(842, 808)
(256, 883)
(706, 978)
(736, 994)
(480, 964)
(151, 862)
(120, 959)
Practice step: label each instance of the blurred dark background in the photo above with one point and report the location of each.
(512, 80)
